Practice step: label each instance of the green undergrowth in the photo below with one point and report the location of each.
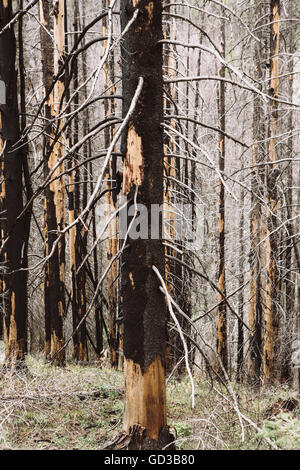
(81, 407)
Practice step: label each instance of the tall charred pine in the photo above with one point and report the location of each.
(272, 314)
(77, 238)
(222, 349)
(13, 226)
(174, 288)
(257, 194)
(289, 281)
(240, 339)
(143, 305)
(54, 294)
(111, 203)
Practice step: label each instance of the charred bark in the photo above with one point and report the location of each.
(14, 228)
(143, 305)
(111, 202)
(271, 314)
(78, 232)
(222, 347)
(54, 194)
(256, 213)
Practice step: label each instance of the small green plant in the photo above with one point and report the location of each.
(183, 430)
(284, 431)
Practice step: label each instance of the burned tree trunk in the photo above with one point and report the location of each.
(222, 348)
(289, 280)
(54, 197)
(240, 339)
(169, 175)
(24, 151)
(13, 225)
(143, 305)
(77, 233)
(256, 213)
(111, 202)
(271, 339)
(47, 62)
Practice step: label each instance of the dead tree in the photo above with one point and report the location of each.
(14, 226)
(111, 202)
(77, 238)
(222, 348)
(54, 285)
(143, 305)
(271, 314)
(256, 213)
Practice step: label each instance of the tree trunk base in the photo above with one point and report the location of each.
(137, 439)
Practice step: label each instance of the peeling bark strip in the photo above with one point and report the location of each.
(54, 193)
(143, 305)
(145, 387)
(13, 231)
(134, 161)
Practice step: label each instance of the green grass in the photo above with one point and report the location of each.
(82, 408)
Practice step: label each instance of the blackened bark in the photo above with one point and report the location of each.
(256, 213)
(13, 228)
(54, 297)
(286, 369)
(222, 349)
(272, 309)
(143, 305)
(111, 201)
(78, 233)
(240, 342)
(24, 152)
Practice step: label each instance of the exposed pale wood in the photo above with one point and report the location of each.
(141, 388)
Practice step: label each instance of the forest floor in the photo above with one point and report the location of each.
(81, 407)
